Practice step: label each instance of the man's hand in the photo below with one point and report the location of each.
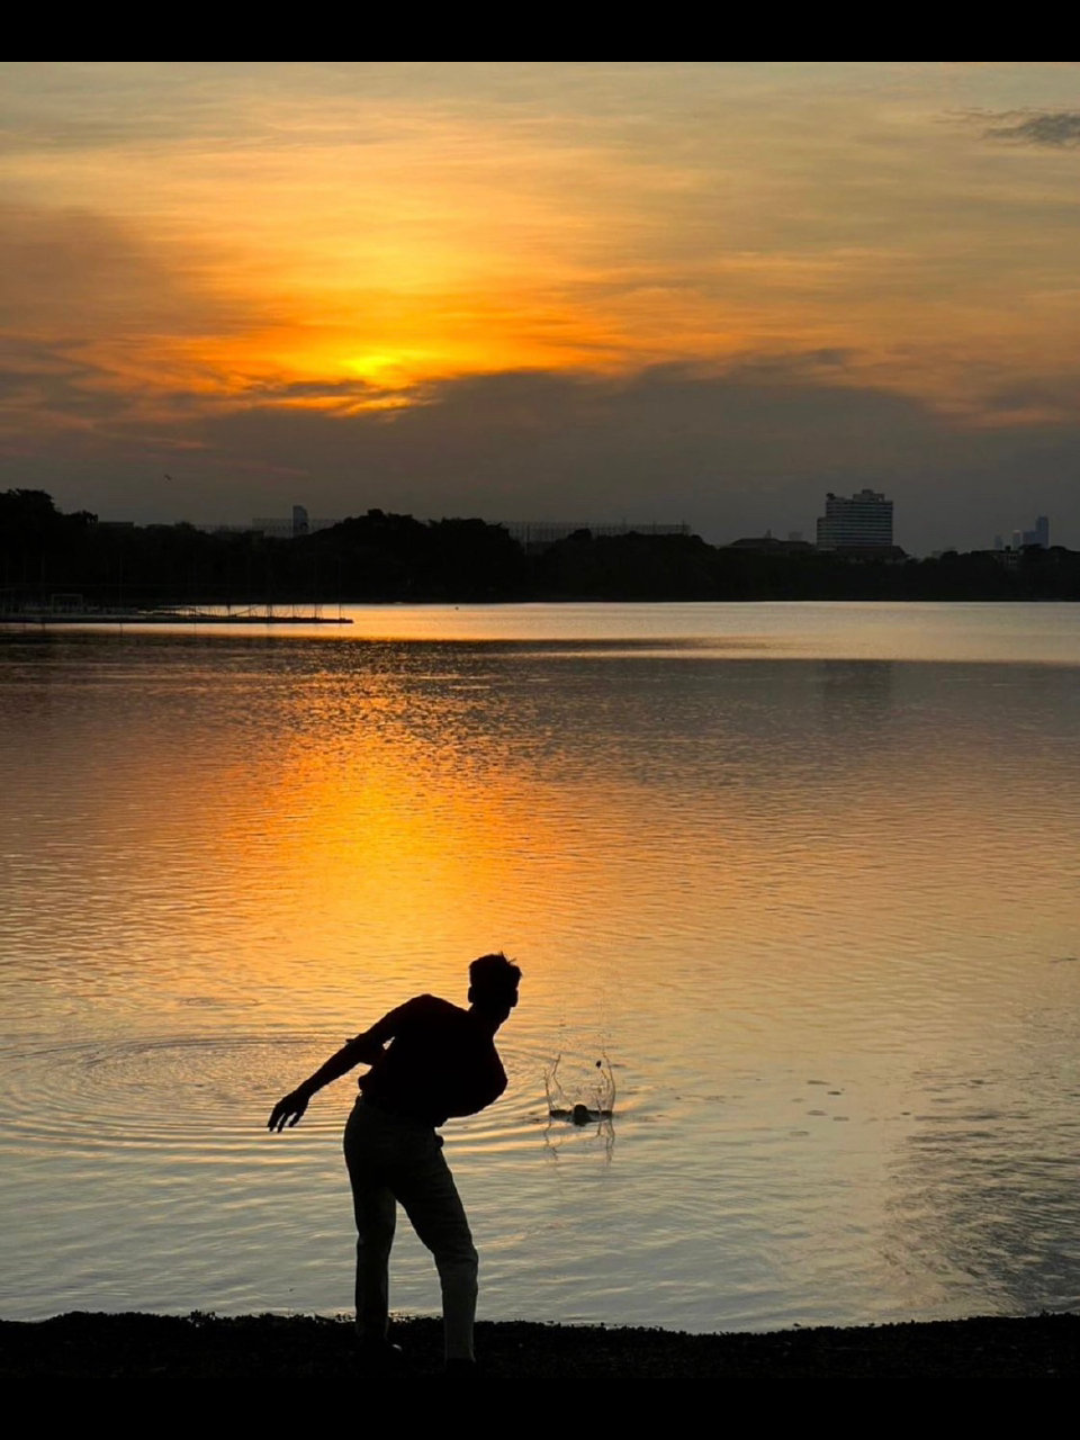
(287, 1111)
(365, 1049)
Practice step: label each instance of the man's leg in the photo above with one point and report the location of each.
(427, 1191)
(376, 1216)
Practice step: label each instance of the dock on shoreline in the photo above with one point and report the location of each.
(139, 1346)
(37, 618)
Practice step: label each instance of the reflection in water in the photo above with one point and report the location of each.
(857, 693)
(818, 909)
(985, 1186)
(595, 1133)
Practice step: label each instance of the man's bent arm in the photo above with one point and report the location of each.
(364, 1049)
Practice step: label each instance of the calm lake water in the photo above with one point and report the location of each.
(807, 875)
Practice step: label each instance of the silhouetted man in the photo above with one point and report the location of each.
(440, 1061)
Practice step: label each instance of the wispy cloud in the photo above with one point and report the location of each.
(1054, 129)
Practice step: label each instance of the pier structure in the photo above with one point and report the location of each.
(68, 608)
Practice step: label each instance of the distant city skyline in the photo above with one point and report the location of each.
(864, 518)
(708, 292)
(847, 527)
(1039, 535)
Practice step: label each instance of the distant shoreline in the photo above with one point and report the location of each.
(164, 617)
(257, 614)
(48, 557)
(140, 1346)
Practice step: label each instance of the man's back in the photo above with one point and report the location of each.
(440, 1062)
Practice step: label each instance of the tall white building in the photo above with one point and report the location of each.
(863, 521)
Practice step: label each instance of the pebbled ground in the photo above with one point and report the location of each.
(135, 1345)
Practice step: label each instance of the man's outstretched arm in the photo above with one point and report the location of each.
(362, 1050)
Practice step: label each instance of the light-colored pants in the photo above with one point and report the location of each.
(392, 1159)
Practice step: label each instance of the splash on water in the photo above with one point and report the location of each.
(581, 1112)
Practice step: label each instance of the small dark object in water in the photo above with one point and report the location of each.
(580, 1113)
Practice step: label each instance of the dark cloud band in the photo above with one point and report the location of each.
(1056, 129)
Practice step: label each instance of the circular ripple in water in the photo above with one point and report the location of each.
(148, 1090)
(214, 1091)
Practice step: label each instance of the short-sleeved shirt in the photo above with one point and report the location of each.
(440, 1063)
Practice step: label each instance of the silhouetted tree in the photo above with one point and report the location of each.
(385, 556)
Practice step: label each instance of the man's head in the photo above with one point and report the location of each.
(493, 985)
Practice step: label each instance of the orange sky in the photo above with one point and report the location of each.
(183, 240)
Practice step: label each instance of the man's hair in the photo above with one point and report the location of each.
(494, 972)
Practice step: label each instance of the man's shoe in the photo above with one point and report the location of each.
(458, 1368)
(379, 1357)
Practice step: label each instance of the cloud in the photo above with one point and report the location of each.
(100, 321)
(1053, 129)
(733, 454)
(75, 271)
(707, 292)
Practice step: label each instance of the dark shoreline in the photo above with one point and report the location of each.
(130, 1346)
(47, 557)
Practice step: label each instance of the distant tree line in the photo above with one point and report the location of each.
(385, 557)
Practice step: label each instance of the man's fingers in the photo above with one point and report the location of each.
(278, 1116)
(285, 1112)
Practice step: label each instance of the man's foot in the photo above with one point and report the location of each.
(379, 1357)
(460, 1368)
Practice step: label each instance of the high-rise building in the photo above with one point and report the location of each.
(281, 527)
(1039, 536)
(863, 521)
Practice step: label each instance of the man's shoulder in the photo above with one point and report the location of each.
(429, 1007)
